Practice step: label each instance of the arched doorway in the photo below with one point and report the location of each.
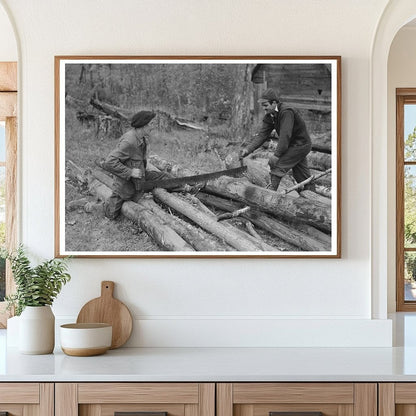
(395, 16)
(8, 150)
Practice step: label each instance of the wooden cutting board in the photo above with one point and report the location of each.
(109, 310)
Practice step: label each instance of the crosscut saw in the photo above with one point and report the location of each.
(190, 180)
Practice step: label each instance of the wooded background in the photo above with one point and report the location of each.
(214, 94)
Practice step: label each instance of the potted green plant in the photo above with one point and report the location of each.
(36, 289)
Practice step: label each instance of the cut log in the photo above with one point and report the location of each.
(112, 110)
(259, 243)
(191, 199)
(319, 161)
(269, 224)
(258, 172)
(163, 235)
(300, 208)
(197, 238)
(321, 142)
(322, 148)
(324, 191)
(252, 231)
(76, 204)
(234, 229)
(187, 124)
(204, 221)
(313, 232)
(313, 196)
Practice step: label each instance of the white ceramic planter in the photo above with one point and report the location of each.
(37, 330)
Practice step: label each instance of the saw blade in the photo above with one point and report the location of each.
(174, 182)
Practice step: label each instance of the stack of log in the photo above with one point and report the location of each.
(183, 222)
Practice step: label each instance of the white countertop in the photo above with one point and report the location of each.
(222, 364)
(215, 364)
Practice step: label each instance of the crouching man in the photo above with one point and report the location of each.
(127, 161)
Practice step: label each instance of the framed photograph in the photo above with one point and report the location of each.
(198, 156)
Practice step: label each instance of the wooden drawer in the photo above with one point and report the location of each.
(104, 399)
(332, 399)
(27, 399)
(397, 399)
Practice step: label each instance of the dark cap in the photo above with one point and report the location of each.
(269, 95)
(142, 118)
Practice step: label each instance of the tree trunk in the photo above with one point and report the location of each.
(241, 118)
(204, 221)
(271, 225)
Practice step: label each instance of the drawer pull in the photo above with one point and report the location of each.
(295, 413)
(4, 413)
(140, 414)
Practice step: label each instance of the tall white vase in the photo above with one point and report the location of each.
(37, 330)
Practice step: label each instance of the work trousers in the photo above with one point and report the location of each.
(294, 158)
(113, 204)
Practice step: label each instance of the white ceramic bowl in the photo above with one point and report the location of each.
(83, 340)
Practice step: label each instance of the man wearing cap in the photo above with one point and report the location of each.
(128, 163)
(294, 142)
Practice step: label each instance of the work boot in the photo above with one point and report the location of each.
(275, 182)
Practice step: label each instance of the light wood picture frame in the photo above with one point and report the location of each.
(206, 114)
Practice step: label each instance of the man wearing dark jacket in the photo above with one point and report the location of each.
(128, 163)
(294, 142)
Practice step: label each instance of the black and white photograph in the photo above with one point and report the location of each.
(198, 156)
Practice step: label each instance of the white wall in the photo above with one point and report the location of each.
(203, 302)
(401, 74)
(8, 46)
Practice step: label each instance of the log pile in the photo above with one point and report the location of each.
(228, 214)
